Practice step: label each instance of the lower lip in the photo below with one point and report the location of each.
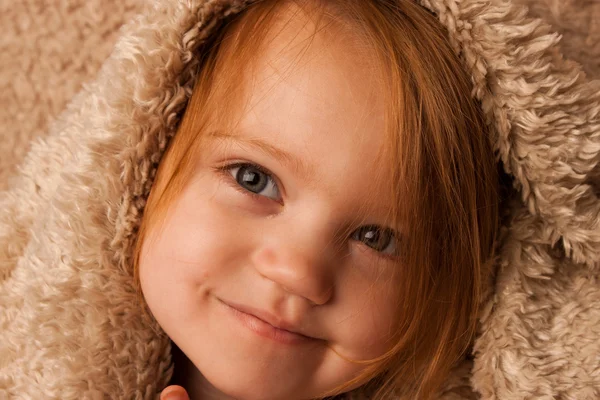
(265, 329)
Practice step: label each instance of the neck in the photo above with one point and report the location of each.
(189, 377)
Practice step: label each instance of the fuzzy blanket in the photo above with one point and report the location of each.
(578, 21)
(68, 316)
(48, 49)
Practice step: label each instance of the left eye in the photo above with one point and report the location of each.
(254, 179)
(379, 239)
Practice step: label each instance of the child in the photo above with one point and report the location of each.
(321, 218)
(298, 199)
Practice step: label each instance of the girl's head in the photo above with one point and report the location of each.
(332, 176)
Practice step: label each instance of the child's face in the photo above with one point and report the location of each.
(275, 255)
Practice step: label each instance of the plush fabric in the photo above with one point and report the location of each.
(578, 21)
(48, 49)
(70, 322)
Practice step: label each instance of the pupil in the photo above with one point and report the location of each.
(375, 238)
(251, 179)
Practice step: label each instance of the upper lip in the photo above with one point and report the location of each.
(271, 319)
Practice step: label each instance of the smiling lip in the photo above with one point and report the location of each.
(264, 325)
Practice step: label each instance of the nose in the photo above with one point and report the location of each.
(300, 264)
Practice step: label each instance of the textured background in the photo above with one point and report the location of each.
(579, 22)
(49, 48)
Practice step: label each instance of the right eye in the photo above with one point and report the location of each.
(254, 180)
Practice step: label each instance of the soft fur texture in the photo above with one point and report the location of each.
(579, 23)
(71, 325)
(47, 50)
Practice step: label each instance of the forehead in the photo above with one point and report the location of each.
(314, 97)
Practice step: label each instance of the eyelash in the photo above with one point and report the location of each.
(230, 179)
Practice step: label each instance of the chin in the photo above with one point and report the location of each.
(242, 387)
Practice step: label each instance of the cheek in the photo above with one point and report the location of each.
(188, 256)
(370, 318)
(194, 241)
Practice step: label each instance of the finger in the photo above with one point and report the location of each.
(174, 392)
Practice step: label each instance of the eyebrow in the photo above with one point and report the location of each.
(289, 160)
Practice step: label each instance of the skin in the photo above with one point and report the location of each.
(278, 252)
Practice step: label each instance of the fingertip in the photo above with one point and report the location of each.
(174, 392)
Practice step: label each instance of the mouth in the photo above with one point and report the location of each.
(264, 325)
